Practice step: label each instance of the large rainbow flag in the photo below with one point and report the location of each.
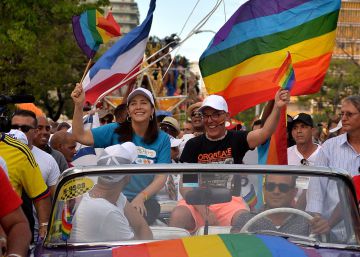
(91, 30)
(245, 54)
(231, 245)
(274, 151)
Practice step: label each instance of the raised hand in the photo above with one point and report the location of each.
(78, 95)
(282, 98)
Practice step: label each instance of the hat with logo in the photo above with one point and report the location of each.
(171, 122)
(216, 102)
(304, 118)
(141, 91)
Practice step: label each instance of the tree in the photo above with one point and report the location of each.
(39, 54)
(342, 79)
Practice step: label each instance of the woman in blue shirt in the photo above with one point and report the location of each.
(140, 128)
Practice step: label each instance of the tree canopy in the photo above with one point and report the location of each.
(39, 54)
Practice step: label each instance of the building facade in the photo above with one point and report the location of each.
(126, 13)
(348, 31)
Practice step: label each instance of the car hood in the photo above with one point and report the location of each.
(206, 246)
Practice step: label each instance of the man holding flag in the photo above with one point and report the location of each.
(218, 145)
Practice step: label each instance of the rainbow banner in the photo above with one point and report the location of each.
(285, 77)
(230, 245)
(246, 53)
(274, 151)
(91, 30)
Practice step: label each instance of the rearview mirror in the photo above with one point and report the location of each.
(208, 196)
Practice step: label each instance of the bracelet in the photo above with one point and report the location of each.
(145, 194)
(44, 224)
(13, 255)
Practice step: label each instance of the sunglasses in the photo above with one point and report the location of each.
(305, 162)
(23, 128)
(283, 188)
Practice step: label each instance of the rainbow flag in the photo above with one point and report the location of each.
(274, 151)
(285, 77)
(232, 245)
(91, 30)
(246, 53)
(66, 225)
(251, 198)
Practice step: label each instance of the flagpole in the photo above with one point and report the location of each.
(86, 70)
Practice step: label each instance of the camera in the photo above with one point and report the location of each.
(5, 121)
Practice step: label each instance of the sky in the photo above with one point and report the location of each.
(170, 16)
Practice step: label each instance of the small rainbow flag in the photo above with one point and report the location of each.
(91, 30)
(285, 77)
(251, 198)
(66, 219)
(231, 245)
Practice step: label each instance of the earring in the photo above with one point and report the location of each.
(128, 118)
(151, 117)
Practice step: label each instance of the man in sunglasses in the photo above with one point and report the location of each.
(196, 118)
(26, 121)
(279, 192)
(217, 145)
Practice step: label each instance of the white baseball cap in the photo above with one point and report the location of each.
(216, 102)
(18, 135)
(143, 92)
(125, 153)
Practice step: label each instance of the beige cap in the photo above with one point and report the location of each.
(172, 122)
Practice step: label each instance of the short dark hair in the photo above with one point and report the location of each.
(25, 113)
(63, 125)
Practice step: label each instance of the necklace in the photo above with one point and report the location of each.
(216, 139)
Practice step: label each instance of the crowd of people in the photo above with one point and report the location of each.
(34, 154)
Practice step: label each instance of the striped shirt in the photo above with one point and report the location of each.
(322, 195)
(337, 152)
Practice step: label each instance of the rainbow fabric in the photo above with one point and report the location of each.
(285, 77)
(251, 198)
(217, 245)
(274, 151)
(91, 30)
(66, 226)
(245, 54)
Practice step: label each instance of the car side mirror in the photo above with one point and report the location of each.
(208, 196)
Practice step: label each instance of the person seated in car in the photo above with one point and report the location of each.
(104, 213)
(279, 192)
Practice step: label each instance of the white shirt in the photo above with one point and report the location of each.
(50, 172)
(48, 166)
(323, 195)
(98, 220)
(295, 157)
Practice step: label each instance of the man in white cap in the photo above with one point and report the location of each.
(104, 213)
(217, 145)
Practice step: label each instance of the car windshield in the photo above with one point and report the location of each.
(102, 207)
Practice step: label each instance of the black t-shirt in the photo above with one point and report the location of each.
(229, 150)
